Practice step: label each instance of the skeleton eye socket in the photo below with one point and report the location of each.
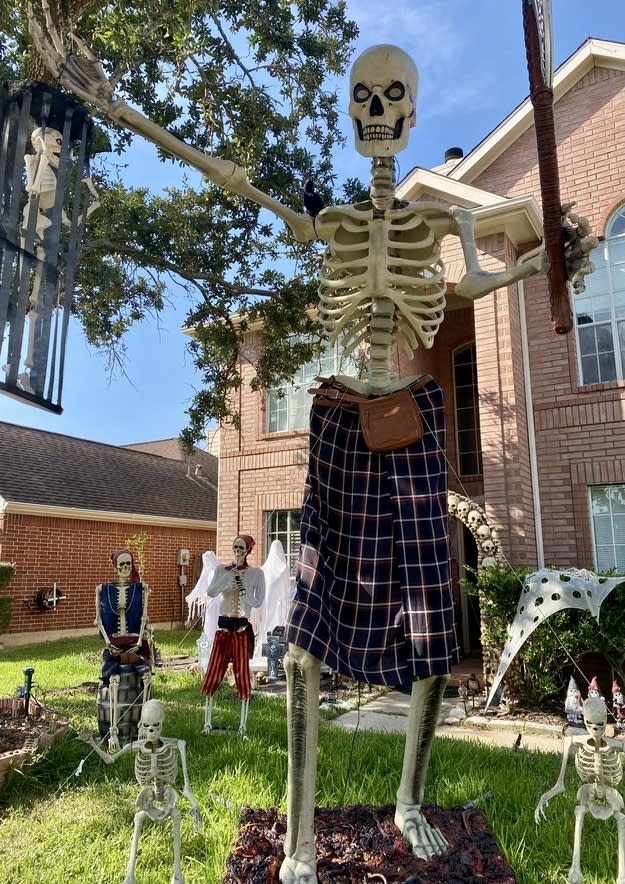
(395, 91)
(361, 92)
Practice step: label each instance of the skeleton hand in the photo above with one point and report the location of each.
(539, 813)
(84, 76)
(578, 243)
(195, 813)
(86, 737)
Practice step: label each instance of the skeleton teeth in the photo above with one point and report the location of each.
(378, 133)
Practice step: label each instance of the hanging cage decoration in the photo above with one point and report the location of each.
(46, 195)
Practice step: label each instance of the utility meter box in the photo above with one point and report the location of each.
(183, 557)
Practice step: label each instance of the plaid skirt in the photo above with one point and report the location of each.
(373, 596)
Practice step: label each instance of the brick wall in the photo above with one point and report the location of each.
(580, 433)
(75, 554)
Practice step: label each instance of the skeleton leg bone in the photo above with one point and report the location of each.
(575, 872)
(114, 711)
(425, 703)
(303, 679)
(177, 877)
(208, 716)
(620, 826)
(243, 720)
(132, 860)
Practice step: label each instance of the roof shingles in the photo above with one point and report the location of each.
(50, 469)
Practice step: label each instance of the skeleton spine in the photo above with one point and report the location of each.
(382, 322)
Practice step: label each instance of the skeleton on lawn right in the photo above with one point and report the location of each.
(599, 763)
(373, 597)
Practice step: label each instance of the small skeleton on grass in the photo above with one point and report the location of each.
(599, 763)
(156, 770)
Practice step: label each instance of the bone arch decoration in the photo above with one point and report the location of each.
(473, 516)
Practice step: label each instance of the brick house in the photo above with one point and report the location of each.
(67, 503)
(536, 429)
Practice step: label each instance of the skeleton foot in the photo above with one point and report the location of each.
(425, 840)
(575, 876)
(177, 878)
(293, 871)
(206, 730)
(129, 879)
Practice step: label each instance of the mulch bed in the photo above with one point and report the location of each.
(361, 844)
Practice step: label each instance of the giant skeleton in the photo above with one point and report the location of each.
(382, 282)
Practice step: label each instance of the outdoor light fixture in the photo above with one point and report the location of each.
(46, 195)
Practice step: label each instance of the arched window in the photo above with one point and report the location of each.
(468, 441)
(600, 310)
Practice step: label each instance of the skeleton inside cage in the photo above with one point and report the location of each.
(46, 195)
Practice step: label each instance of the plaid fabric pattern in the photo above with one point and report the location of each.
(373, 596)
(229, 647)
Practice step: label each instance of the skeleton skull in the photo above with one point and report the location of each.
(50, 140)
(488, 547)
(483, 532)
(123, 566)
(383, 93)
(151, 723)
(488, 561)
(595, 717)
(452, 503)
(239, 548)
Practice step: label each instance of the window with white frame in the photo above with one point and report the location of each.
(283, 525)
(600, 310)
(607, 507)
(468, 441)
(288, 406)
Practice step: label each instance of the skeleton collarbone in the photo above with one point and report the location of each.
(382, 272)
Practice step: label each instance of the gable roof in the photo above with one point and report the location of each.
(592, 53)
(42, 471)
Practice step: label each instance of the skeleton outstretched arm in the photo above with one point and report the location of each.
(107, 757)
(84, 76)
(558, 788)
(477, 282)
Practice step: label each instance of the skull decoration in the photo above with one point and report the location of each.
(452, 503)
(474, 519)
(383, 94)
(463, 510)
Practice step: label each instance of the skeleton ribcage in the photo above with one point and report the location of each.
(159, 767)
(395, 257)
(603, 767)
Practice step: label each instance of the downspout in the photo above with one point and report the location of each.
(529, 409)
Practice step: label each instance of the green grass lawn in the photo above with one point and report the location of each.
(57, 828)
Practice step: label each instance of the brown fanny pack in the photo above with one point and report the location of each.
(387, 422)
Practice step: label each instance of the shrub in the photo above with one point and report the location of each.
(541, 670)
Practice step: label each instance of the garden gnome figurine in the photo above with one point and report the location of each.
(573, 704)
(618, 704)
(594, 690)
(599, 763)
(122, 618)
(242, 587)
(156, 770)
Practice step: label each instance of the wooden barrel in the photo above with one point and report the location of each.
(129, 703)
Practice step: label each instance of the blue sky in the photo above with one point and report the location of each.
(472, 72)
